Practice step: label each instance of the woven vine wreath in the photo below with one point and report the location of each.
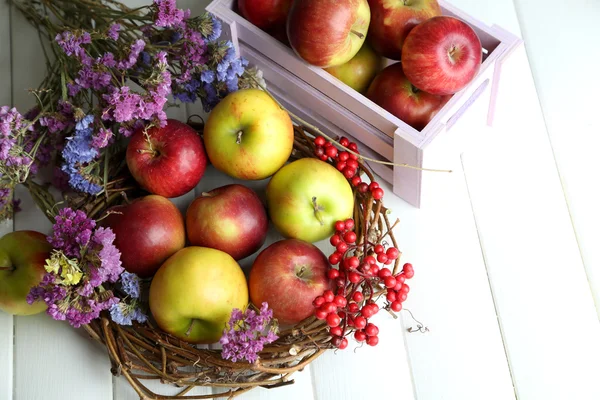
(144, 352)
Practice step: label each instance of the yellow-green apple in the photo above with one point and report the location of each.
(156, 156)
(23, 255)
(288, 275)
(148, 231)
(194, 292)
(306, 197)
(359, 72)
(266, 14)
(230, 218)
(248, 135)
(441, 55)
(327, 33)
(393, 92)
(392, 20)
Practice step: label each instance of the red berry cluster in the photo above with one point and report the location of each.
(357, 281)
(345, 161)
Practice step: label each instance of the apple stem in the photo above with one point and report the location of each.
(151, 151)
(239, 137)
(318, 210)
(206, 194)
(5, 268)
(360, 35)
(189, 331)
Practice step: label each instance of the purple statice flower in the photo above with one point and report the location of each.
(130, 284)
(71, 42)
(210, 98)
(136, 48)
(109, 256)
(125, 314)
(71, 230)
(102, 138)
(232, 84)
(122, 104)
(113, 31)
(245, 335)
(167, 14)
(73, 89)
(10, 121)
(90, 78)
(146, 58)
(108, 60)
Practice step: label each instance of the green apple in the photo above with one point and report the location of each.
(306, 198)
(359, 72)
(23, 255)
(248, 135)
(194, 292)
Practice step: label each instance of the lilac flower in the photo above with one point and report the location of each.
(245, 335)
(113, 31)
(73, 89)
(122, 104)
(131, 60)
(71, 230)
(102, 138)
(108, 60)
(110, 257)
(167, 14)
(10, 121)
(82, 260)
(89, 78)
(71, 43)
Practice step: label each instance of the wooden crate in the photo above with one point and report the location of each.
(323, 100)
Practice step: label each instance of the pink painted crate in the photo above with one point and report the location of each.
(321, 99)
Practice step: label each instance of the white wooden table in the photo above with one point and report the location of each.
(499, 280)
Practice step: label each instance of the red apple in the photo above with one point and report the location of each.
(328, 33)
(156, 156)
(441, 55)
(230, 218)
(266, 14)
(391, 21)
(23, 256)
(392, 91)
(288, 275)
(148, 231)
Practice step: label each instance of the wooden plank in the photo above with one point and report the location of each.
(543, 298)
(571, 125)
(462, 357)
(63, 362)
(6, 320)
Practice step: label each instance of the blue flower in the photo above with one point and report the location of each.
(131, 284)
(232, 84)
(79, 182)
(125, 314)
(207, 76)
(216, 29)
